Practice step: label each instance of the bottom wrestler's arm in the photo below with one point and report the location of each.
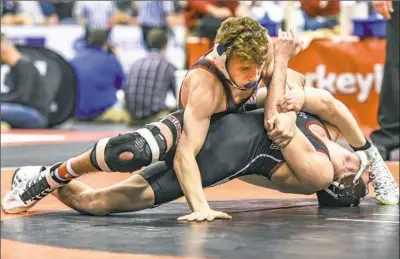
(312, 169)
(284, 180)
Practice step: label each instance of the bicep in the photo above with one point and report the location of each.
(202, 103)
(194, 131)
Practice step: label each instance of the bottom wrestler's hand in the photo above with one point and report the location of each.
(203, 215)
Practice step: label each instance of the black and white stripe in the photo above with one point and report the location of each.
(153, 13)
(148, 82)
(96, 13)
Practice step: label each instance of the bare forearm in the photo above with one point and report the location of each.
(188, 174)
(276, 89)
(310, 167)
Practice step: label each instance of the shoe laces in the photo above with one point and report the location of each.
(35, 187)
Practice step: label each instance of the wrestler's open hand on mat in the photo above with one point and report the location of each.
(293, 100)
(281, 128)
(207, 214)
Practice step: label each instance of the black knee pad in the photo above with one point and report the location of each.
(147, 146)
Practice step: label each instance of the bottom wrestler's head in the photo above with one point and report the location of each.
(343, 192)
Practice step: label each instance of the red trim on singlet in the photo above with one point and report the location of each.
(274, 169)
(277, 166)
(308, 125)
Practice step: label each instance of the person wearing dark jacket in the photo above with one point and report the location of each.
(24, 100)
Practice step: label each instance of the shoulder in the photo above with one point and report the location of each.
(199, 77)
(205, 89)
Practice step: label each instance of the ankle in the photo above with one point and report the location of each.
(61, 174)
(364, 147)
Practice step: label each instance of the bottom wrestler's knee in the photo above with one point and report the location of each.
(129, 152)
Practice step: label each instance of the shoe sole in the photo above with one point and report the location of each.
(17, 210)
(382, 202)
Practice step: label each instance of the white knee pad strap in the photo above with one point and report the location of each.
(100, 154)
(151, 141)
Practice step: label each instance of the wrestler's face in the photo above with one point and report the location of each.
(244, 73)
(345, 162)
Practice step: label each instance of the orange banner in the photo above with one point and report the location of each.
(351, 70)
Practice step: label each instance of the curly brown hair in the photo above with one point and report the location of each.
(250, 39)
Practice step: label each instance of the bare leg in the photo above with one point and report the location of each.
(326, 107)
(132, 194)
(82, 165)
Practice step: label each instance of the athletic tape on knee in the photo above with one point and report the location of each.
(151, 141)
(100, 155)
(147, 145)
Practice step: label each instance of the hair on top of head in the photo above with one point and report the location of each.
(157, 39)
(249, 39)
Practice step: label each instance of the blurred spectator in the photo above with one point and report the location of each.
(156, 15)
(203, 18)
(99, 76)
(263, 11)
(320, 14)
(24, 100)
(149, 80)
(95, 14)
(63, 10)
(387, 137)
(49, 13)
(126, 12)
(11, 13)
(32, 10)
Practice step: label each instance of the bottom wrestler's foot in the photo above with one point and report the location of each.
(29, 185)
(386, 189)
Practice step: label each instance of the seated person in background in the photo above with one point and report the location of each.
(24, 100)
(64, 11)
(156, 15)
(11, 13)
(149, 80)
(49, 13)
(320, 14)
(126, 12)
(99, 76)
(95, 14)
(203, 18)
(38, 13)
